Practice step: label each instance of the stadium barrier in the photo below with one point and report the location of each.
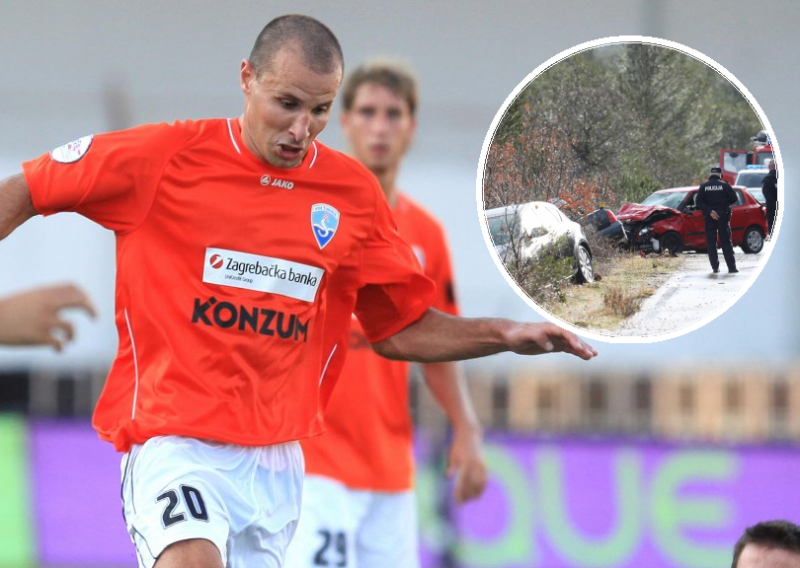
(552, 501)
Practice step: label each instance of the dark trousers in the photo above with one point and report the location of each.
(723, 227)
(770, 214)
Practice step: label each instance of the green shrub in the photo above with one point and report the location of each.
(545, 276)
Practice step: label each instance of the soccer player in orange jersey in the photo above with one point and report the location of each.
(358, 501)
(244, 246)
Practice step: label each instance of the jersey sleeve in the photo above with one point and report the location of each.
(109, 178)
(394, 292)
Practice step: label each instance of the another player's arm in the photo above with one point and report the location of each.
(33, 317)
(437, 337)
(465, 458)
(16, 206)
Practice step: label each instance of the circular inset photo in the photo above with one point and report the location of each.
(630, 189)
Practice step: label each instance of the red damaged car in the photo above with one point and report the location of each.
(669, 220)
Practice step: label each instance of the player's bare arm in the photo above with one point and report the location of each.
(34, 317)
(16, 206)
(437, 337)
(465, 456)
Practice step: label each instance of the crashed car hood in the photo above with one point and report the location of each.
(646, 214)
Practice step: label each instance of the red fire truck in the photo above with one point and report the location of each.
(732, 161)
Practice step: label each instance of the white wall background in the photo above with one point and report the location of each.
(69, 69)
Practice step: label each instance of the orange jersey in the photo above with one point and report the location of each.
(368, 440)
(236, 280)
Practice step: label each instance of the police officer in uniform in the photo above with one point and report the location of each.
(769, 187)
(714, 199)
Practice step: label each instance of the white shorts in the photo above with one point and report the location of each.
(348, 528)
(245, 500)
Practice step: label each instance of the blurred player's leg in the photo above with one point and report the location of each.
(388, 534)
(329, 520)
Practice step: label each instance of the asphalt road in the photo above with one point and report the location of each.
(692, 294)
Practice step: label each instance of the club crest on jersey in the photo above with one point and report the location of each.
(324, 222)
(72, 151)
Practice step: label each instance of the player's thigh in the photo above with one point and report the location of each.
(169, 498)
(197, 553)
(326, 531)
(388, 534)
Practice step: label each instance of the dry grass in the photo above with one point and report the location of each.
(627, 279)
(621, 302)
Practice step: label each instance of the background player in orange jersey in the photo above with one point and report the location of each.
(33, 317)
(358, 501)
(244, 246)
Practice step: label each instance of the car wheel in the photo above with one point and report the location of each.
(585, 271)
(672, 242)
(753, 240)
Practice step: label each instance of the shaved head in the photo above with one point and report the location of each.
(313, 40)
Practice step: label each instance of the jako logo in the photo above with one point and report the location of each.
(258, 320)
(282, 183)
(215, 261)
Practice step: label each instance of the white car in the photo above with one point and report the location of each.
(751, 178)
(523, 230)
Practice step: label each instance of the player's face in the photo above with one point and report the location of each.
(286, 107)
(755, 556)
(379, 127)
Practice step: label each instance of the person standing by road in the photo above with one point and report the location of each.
(769, 187)
(714, 199)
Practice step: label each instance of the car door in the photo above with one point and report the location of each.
(560, 228)
(741, 217)
(694, 227)
(537, 231)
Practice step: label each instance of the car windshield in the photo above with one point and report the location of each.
(502, 228)
(734, 161)
(750, 179)
(756, 192)
(762, 157)
(666, 198)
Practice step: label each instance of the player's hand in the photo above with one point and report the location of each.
(465, 461)
(538, 338)
(33, 317)
(715, 215)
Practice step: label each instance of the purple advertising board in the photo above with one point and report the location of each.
(577, 503)
(77, 511)
(550, 503)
